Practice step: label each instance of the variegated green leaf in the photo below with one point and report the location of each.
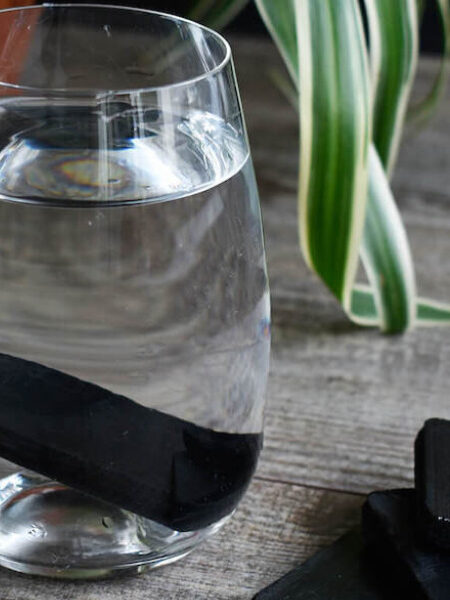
(334, 139)
(420, 9)
(428, 312)
(216, 13)
(335, 121)
(386, 255)
(385, 249)
(279, 17)
(431, 313)
(393, 36)
(363, 308)
(200, 9)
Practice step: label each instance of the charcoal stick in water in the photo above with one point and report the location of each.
(158, 466)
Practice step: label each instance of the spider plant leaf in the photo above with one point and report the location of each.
(335, 133)
(421, 5)
(394, 39)
(279, 18)
(216, 13)
(386, 255)
(390, 301)
(200, 9)
(431, 313)
(363, 308)
(334, 139)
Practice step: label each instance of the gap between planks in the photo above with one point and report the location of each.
(307, 486)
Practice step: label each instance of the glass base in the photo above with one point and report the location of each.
(49, 529)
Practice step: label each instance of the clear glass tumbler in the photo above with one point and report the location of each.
(134, 303)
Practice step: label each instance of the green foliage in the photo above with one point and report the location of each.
(352, 96)
(216, 13)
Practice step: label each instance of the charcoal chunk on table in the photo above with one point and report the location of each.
(108, 446)
(389, 527)
(343, 571)
(432, 473)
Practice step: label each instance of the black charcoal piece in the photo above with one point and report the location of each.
(340, 572)
(389, 530)
(106, 445)
(432, 469)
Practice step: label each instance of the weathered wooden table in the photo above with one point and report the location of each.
(344, 403)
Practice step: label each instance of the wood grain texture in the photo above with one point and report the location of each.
(344, 403)
(276, 527)
(15, 3)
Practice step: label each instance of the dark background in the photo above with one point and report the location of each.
(249, 21)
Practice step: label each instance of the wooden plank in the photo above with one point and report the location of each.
(276, 527)
(16, 32)
(15, 3)
(348, 421)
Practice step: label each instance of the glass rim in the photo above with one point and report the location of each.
(104, 93)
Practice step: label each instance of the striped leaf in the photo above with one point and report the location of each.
(385, 249)
(216, 13)
(386, 255)
(431, 313)
(363, 309)
(393, 36)
(420, 9)
(279, 17)
(335, 119)
(428, 312)
(334, 139)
